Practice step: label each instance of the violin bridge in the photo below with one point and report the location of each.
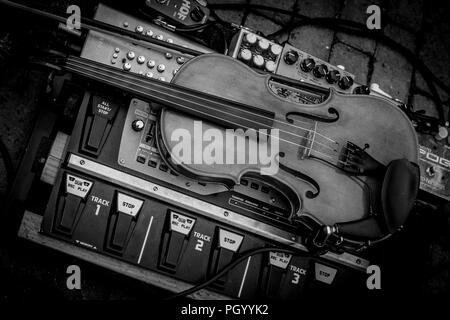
(309, 142)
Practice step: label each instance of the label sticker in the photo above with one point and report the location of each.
(103, 107)
(128, 205)
(181, 223)
(78, 186)
(229, 240)
(280, 259)
(325, 274)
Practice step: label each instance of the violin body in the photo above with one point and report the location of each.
(374, 123)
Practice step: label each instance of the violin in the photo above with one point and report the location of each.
(347, 164)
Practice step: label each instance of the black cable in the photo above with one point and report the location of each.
(227, 268)
(213, 14)
(7, 160)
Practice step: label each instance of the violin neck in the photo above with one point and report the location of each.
(223, 112)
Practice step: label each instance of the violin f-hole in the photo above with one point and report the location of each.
(309, 194)
(331, 111)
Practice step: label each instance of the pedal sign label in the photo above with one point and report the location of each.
(181, 223)
(324, 273)
(128, 205)
(77, 186)
(279, 259)
(229, 240)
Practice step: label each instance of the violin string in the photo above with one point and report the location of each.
(130, 76)
(145, 83)
(95, 75)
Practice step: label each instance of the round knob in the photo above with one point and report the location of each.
(291, 57)
(161, 68)
(137, 125)
(140, 29)
(250, 38)
(131, 55)
(151, 63)
(442, 134)
(307, 64)
(263, 44)
(127, 66)
(270, 66)
(149, 75)
(345, 82)
(169, 40)
(180, 60)
(333, 76)
(141, 59)
(149, 33)
(361, 90)
(320, 71)
(275, 49)
(245, 55)
(168, 55)
(258, 61)
(160, 37)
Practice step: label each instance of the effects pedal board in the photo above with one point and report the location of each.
(290, 62)
(434, 163)
(187, 13)
(121, 200)
(157, 62)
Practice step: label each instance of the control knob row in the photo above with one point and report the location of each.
(262, 44)
(319, 71)
(257, 60)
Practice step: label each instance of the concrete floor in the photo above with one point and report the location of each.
(422, 28)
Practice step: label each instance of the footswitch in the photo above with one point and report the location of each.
(122, 221)
(284, 275)
(227, 247)
(175, 240)
(71, 202)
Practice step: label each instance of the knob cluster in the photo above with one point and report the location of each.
(443, 134)
(319, 70)
(140, 64)
(149, 33)
(259, 52)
